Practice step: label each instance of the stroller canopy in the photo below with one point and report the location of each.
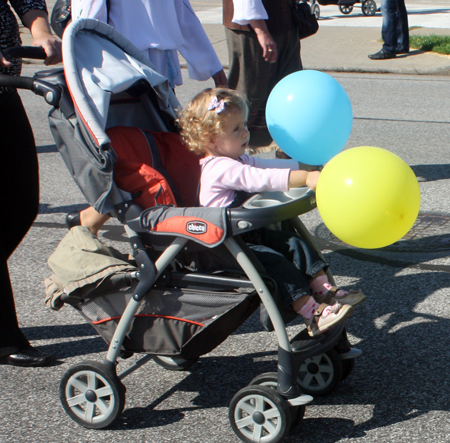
(99, 63)
(109, 83)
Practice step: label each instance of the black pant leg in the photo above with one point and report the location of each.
(19, 203)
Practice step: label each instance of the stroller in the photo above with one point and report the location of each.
(368, 7)
(167, 313)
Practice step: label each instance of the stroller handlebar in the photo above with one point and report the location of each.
(15, 82)
(51, 93)
(33, 52)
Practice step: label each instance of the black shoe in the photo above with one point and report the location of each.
(27, 357)
(73, 219)
(402, 51)
(382, 55)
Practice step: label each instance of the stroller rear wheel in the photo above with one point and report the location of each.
(92, 394)
(270, 379)
(346, 9)
(259, 413)
(321, 374)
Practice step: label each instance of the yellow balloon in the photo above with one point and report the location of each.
(368, 197)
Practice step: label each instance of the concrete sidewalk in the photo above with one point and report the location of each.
(340, 49)
(346, 49)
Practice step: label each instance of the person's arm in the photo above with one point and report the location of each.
(253, 13)
(301, 178)
(37, 22)
(202, 60)
(266, 41)
(298, 175)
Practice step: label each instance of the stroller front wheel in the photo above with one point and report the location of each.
(92, 394)
(259, 413)
(270, 379)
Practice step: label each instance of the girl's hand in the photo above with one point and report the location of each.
(312, 179)
(300, 178)
(51, 46)
(3, 61)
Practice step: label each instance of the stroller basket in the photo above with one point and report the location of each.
(173, 322)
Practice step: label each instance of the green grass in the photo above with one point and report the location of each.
(435, 43)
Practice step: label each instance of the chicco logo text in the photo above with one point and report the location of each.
(196, 227)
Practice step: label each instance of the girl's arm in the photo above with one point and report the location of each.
(37, 22)
(303, 178)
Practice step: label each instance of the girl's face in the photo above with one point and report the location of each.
(234, 141)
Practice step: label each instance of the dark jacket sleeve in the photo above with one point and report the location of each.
(23, 6)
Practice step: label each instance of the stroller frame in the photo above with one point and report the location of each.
(103, 394)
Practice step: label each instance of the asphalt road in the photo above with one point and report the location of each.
(398, 391)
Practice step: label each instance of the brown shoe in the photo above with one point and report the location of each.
(352, 298)
(327, 316)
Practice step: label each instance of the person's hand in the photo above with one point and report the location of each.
(268, 45)
(51, 46)
(3, 61)
(220, 79)
(312, 179)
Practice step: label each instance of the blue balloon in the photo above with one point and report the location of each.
(309, 116)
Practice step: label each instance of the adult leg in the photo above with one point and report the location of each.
(389, 11)
(402, 28)
(19, 200)
(251, 75)
(11, 338)
(289, 57)
(19, 180)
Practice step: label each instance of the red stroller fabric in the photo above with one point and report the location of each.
(135, 171)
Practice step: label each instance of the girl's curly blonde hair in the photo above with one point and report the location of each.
(199, 125)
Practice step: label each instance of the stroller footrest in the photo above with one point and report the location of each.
(304, 346)
(301, 400)
(353, 353)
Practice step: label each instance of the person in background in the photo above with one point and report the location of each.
(263, 47)
(19, 179)
(160, 29)
(394, 30)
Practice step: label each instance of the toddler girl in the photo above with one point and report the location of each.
(215, 124)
